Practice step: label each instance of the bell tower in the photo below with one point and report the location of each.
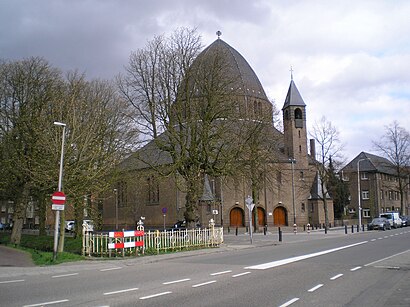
(294, 124)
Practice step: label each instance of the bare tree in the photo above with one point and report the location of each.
(330, 147)
(395, 146)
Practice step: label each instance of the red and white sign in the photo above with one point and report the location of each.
(58, 200)
(126, 234)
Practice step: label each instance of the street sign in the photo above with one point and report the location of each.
(214, 211)
(57, 207)
(164, 210)
(58, 198)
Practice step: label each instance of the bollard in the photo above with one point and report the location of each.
(308, 228)
(280, 234)
(345, 229)
(295, 228)
(304, 227)
(325, 230)
(363, 227)
(246, 228)
(265, 229)
(236, 231)
(229, 230)
(358, 229)
(352, 228)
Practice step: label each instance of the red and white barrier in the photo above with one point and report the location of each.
(126, 234)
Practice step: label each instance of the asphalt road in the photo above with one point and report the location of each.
(370, 268)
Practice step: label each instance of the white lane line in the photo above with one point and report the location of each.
(336, 276)
(379, 238)
(277, 263)
(46, 303)
(120, 291)
(11, 281)
(290, 302)
(356, 268)
(220, 273)
(396, 234)
(372, 240)
(371, 263)
(315, 288)
(386, 237)
(241, 274)
(65, 275)
(110, 269)
(391, 235)
(204, 284)
(175, 281)
(155, 295)
(387, 267)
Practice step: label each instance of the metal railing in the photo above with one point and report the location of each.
(155, 242)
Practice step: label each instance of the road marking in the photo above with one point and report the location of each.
(396, 234)
(176, 281)
(290, 302)
(336, 276)
(315, 288)
(65, 275)
(204, 284)
(379, 238)
(391, 235)
(240, 274)
(120, 291)
(387, 267)
(220, 273)
(110, 269)
(386, 237)
(277, 263)
(373, 240)
(11, 281)
(155, 295)
(356, 268)
(371, 263)
(46, 303)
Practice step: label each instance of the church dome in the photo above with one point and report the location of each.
(238, 69)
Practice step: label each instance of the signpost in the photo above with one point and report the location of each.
(58, 201)
(249, 203)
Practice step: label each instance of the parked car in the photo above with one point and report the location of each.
(380, 223)
(393, 217)
(70, 225)
(405, 220)
(179, 225)
(2, 226)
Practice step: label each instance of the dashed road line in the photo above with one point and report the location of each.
(290, 302)
(315, 288)
(155, 295)
(11, 281)
(176, 281)
(336, 276)
(64, 275)
(356, 268)
(204, 284)
(372, 240)
(120, 291)
(110, 269)
(241, 274)
(220, 273)
(46, 303)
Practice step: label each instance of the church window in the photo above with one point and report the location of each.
(298, 118)
(286, 114)
(299, 133)
(302, 207)
(153, 190)
(300, 148)
(279, 177)
(301, 175)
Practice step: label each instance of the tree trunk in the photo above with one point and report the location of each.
(19, 214)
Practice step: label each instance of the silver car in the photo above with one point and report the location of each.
(380, 223)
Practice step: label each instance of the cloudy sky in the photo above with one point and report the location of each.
(350, 59)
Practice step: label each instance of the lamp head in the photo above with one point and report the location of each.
(59, 124)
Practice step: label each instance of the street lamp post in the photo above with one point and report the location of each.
(60, 183)
(293, 161)
(359, 196)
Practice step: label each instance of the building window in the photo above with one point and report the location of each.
(381, 194)
(302, 175)
(312, 208)
(302, 207)
(364, 176)
(390, 195)
(365, 194)
(366, 212)
(279, 177)
(352, 210)
(3, 208)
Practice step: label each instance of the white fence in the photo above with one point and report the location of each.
(151, 242)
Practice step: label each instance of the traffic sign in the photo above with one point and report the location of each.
(164, 210)
(57, 207)
(58, 198)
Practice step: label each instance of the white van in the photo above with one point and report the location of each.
(393, 217)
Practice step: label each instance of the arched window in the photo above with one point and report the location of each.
(298, 113)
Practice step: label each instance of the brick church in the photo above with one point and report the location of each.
(290, 192)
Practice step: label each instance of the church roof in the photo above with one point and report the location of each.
(293, 98)
(238, 69)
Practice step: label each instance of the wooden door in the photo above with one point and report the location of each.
(236, 217)
(279, 216)
(261, 217)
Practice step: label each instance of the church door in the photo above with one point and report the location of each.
(261, 216)
(279, 216)
(236, 217)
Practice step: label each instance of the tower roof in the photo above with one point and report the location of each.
(293, 98)
(238, 69)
